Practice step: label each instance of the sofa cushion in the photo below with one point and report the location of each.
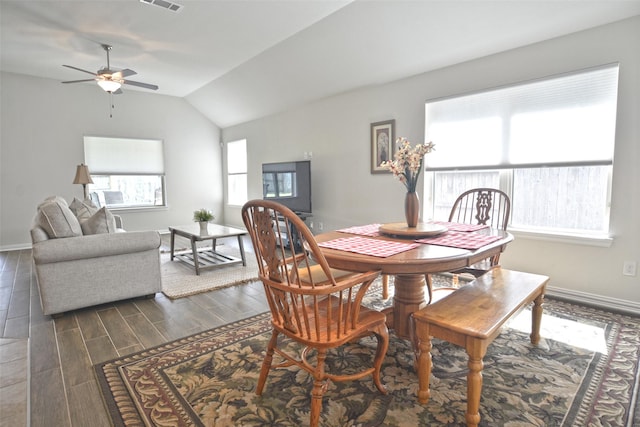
(102, 221)
(55, 217)
(53, 199)
(82, 209)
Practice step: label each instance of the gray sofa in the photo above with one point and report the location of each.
(83, 257)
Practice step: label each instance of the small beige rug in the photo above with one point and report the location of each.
(180, 280)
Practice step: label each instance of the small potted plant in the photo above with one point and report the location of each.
(202, 217)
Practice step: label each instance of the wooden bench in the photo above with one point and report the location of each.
(471, 317)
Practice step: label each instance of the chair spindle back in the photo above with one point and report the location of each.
(305, 299)
(486, 206)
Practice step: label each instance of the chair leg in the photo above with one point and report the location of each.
(266, 363)
(385, 286)
(382, 334)
(427, 278)
(319, 386)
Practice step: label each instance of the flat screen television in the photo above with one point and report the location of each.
(288, 183)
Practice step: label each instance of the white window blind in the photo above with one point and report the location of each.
(123, 155)
(563, 120)
(237, 157)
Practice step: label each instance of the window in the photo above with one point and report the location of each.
(126, 172)
(563, 209)
(237, 172)
(547, 143)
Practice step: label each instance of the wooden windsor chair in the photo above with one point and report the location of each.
(485, 206)
(481, 206)
(311, 303)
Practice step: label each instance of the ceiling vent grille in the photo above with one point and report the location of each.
(173, 7)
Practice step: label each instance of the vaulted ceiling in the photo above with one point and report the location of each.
(240, 60)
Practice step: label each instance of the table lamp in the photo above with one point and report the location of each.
(83, 177)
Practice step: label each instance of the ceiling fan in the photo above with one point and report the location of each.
(111, 80)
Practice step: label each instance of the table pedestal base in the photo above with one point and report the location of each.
(408, 298)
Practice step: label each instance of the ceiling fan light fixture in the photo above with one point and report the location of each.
(109, 85)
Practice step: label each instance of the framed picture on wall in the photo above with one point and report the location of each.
(382, 137)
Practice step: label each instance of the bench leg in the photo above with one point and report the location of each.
(536, 318)
(424, 364)
(476, 351)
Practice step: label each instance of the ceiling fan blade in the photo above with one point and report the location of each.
(127, 72)
(119, 75)
(117, 92)
(79, 81)
(80, 69)
(144, 85)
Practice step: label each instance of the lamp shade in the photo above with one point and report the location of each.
(82, 175)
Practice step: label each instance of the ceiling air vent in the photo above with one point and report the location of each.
(174, 7)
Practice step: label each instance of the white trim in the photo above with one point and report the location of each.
(607, 303)
(604, 302)
(131, 209)
(16, 247)
(603, 242)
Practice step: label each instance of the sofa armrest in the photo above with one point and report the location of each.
(38, 234)
(94, 246)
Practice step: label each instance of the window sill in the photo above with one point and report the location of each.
(128, 209)
(574, 239)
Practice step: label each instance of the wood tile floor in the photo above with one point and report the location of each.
(46, 376)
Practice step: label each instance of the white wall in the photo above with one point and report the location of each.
(336, 130)
(42, 127)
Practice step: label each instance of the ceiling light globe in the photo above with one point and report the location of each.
(109, 85)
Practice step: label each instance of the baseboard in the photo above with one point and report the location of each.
(18, 247)
(600, 301)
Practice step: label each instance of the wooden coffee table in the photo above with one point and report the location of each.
(206, 257)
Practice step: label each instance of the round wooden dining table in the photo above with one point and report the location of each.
(410, 267)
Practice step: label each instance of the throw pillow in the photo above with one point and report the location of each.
(82, 209)
(100, 222)
(55, 217)
(89, 202)
(53, 199)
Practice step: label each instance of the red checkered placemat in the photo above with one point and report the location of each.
(364, 230)
(456, 226)
(461, 240)
(366, 246)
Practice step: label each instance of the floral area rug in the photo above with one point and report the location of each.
(583, 373)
